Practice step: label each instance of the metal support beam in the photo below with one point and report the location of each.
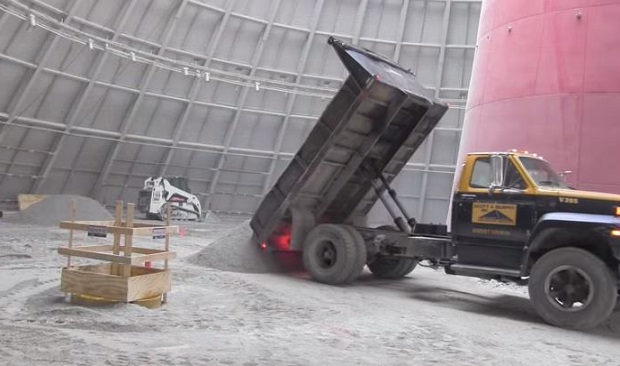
(78, 104)
(402, 23)
(361, 13)
(195, 89)
(131, 115)
(357, 31)
(16, 106)
(136, 155)
(290, 100)
(258, 52)
(438, 77)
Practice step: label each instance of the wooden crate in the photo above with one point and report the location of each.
(104, 281)
(127, 275)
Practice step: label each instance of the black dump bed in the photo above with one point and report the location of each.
(372, 126)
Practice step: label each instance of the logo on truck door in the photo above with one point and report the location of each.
(494, 214)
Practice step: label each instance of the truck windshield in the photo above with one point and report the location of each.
(542, 173)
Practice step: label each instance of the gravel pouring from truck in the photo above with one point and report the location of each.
(513, 217)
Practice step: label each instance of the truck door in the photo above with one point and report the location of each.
(491, 229)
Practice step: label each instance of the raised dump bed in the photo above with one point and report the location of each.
(373, 125)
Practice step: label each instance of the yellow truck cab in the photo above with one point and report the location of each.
(514, 214)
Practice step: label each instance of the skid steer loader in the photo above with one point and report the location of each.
(161, 190)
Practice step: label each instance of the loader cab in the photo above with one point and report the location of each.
(494, 210)
(181, 183)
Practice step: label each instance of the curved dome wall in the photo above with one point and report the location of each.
(77, 116)
(547, 79)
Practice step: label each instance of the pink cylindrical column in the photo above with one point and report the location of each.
(546, 79)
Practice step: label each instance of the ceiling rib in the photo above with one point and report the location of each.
(17, 106)
(431, 138)
(258, 52)
(79, 102)
(130, 117)
(290, 102)
(195, 89)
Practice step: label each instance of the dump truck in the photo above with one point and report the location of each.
(513, 218)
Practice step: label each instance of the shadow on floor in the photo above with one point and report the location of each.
(506, 306)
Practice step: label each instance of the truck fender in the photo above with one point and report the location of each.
(555, 223)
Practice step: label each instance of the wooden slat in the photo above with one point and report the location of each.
(167, 245)
(73, 209)
(94, 284)
(110, 257)
(96, 248)
(157, 282)
(147, 231)
(105, 253)
(111, 228)
(128, 239)
(139, 259)
(118, 218)
(109, 248)
(85, 222)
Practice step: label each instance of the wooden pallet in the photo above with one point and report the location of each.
(127, 275)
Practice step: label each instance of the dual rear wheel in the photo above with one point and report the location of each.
(337, 254)
(390, 267)
(334, 254)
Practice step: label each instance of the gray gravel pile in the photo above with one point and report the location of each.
(56, 208)
(237, 252)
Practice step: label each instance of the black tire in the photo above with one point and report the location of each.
(411, 264)
(565, 277)
(331, 254)
(391, 268)
(362, 254)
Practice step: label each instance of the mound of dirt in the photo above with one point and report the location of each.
(237, 252)
(56, 208)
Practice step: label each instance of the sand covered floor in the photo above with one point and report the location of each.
(227, 309)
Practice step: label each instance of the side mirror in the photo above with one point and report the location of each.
(497, 172)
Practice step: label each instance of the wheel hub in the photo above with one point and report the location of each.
(569, 288)
(326, 254)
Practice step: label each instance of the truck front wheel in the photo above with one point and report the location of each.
(334, 254)
(572, 288)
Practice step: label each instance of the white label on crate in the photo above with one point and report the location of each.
(98, 231)
(159, 233)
